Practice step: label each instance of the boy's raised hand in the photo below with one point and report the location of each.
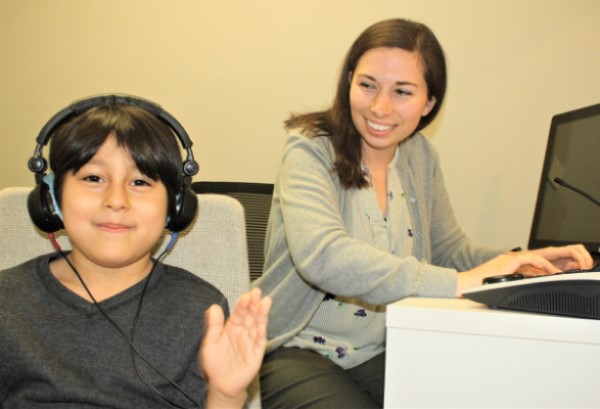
(232, 351)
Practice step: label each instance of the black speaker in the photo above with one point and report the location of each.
(42, 205)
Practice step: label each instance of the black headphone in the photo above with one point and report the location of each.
(43, 207)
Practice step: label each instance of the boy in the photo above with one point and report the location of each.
(106, 325)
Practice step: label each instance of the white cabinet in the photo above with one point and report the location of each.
(446, 353)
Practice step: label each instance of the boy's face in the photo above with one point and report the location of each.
(112, 212)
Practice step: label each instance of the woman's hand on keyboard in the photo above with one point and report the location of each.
(567, 257)
(528, 263)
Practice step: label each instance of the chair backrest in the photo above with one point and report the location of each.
(256, 199)
(213, 247)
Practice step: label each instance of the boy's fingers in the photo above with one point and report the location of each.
(215, 320)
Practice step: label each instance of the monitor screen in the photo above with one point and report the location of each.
(562, 215)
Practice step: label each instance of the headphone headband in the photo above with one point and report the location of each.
(80, 106)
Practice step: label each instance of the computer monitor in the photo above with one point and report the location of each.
(563, 215)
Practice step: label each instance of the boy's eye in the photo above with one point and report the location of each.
(141, 182)
(92, 178)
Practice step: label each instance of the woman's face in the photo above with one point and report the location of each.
(388, 97)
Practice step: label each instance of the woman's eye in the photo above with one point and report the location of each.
(366, 85)
(403, 92)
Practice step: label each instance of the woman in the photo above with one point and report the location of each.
(361, 218)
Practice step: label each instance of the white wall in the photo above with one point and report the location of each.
(232, 70)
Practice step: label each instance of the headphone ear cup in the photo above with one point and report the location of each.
(43, 209)
(186, 206)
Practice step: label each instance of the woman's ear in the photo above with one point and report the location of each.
(429, 106)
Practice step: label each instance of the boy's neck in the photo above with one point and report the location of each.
(102, 282)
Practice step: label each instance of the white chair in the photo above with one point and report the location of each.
(213, 247)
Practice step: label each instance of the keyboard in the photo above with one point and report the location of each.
(573, 293)
(519, 276)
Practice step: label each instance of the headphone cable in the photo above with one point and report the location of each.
(134, 349)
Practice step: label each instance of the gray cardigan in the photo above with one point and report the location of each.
(316, 241)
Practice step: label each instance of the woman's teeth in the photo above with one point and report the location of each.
(378, 127)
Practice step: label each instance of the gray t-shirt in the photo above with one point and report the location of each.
(58, 350)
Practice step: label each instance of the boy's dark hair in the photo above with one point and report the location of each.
(337, 123)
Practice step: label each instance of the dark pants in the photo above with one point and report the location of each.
(293, 378)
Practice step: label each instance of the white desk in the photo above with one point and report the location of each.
(446, 353)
